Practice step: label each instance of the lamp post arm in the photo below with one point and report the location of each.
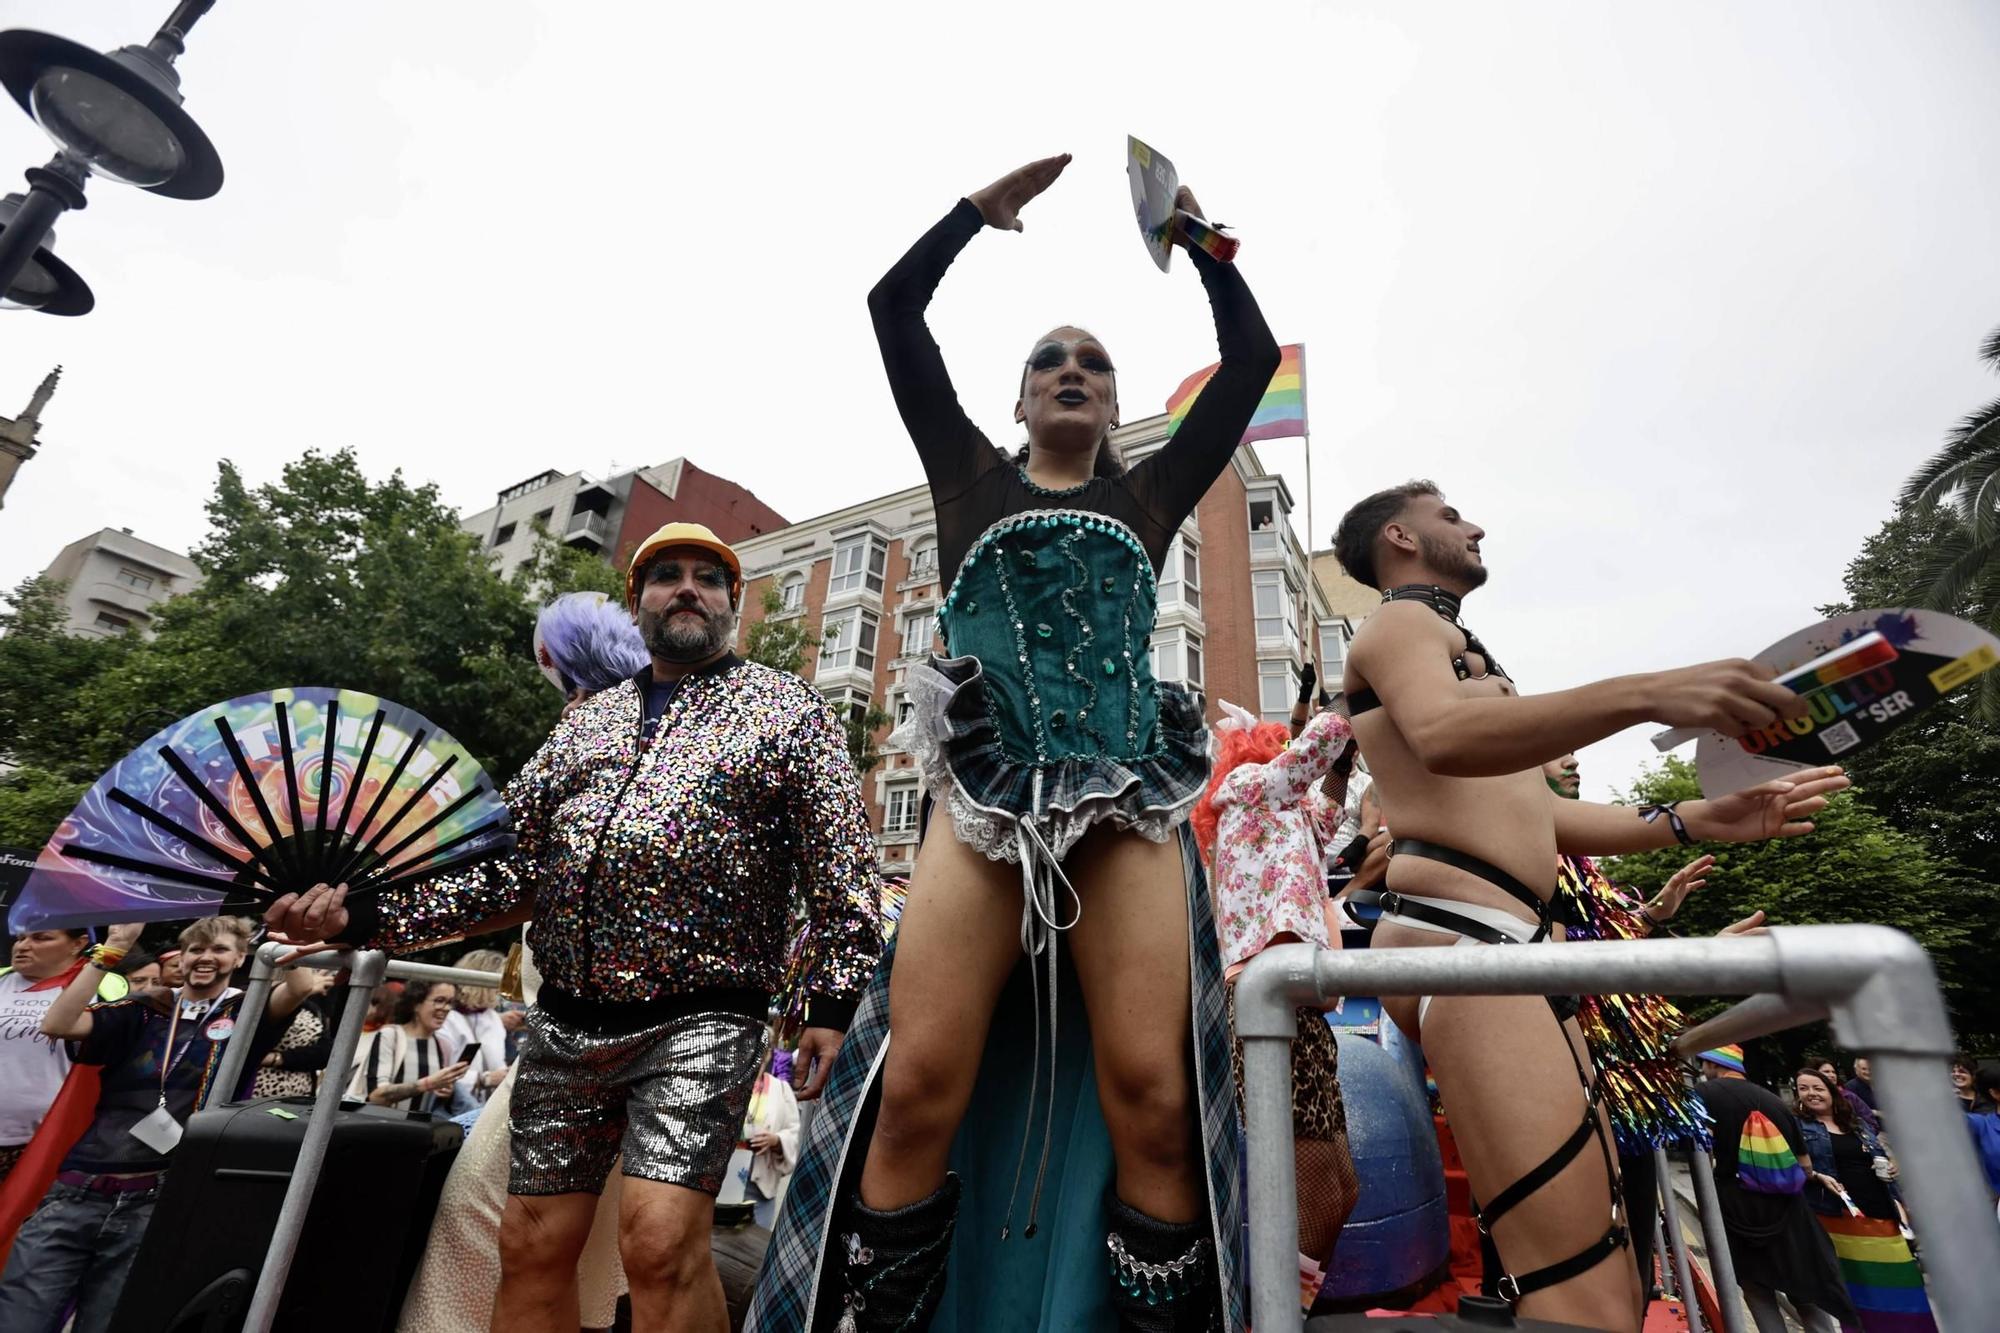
(171, 39)
(53, 190)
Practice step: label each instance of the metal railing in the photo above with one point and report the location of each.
(1874, 983)
(367, 969)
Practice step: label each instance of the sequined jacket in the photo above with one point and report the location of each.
(672, 870)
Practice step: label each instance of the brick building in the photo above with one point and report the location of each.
(612, 517)
(1238, 606)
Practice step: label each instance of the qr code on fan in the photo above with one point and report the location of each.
(1841, 737)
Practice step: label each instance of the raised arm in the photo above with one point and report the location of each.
(1285, 781)
(68, 1018)
(1404, 653)
(1171, 483)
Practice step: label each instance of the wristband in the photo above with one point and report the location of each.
(1650, 813)
(105, 958)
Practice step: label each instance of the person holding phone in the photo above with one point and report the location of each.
(405, 1063)
(475, 1032)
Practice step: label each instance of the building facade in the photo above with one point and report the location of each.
(610, 518)
(19, 435)
(1238, 607)
(116, 581)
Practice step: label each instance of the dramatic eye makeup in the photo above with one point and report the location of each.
(1053, 355)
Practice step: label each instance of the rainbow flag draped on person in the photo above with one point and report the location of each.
(1282, 413)
(1882, 1276)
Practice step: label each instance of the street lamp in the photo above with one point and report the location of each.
(44, 283)
(116, 115)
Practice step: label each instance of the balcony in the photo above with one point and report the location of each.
(124, 600)
(588, 530)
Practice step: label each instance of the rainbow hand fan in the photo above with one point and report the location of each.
(1155, 185)
(240, 803)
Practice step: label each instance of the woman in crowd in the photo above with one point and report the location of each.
(404, 1063)
(292, 1070)
(1964, 1069)
(143, 971)
(770, 1148)
(1853, 1192)
(33, 1066)
(1062, 775)
(475, 1018)
(1984, 1122)
(1254, 824)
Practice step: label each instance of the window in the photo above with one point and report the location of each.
(503, 534)
(1180, 575)
(107, 621)
(132, 578)
(541, 520)
(792, 596)
(1177, 656)
(923, 558)
(901, 815)
(1332, 654)
(1274, 690)
(858, 562)
(847, 639)
(1265, 538)
(1277, 620)
(848, 703)
(905, 708)
(919, 629)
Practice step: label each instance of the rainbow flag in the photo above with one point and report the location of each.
(1765, 1163)
(1882, 1277)
(1282, 413)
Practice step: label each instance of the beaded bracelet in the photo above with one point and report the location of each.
(105, 958)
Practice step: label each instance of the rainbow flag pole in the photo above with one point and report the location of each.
(1280, 415)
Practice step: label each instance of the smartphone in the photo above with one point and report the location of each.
(470, 1053)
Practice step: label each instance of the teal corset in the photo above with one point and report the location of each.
(1058, 606)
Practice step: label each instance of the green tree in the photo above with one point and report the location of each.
(1962, 571)
(322, 577)
(1937, 777)
(1854, 866)
(780, 643)
(864, 735)
(554, 568)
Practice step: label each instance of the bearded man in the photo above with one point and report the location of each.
(1457, 751)
(664, 828)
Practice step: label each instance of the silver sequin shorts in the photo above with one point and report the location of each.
(671, 1098)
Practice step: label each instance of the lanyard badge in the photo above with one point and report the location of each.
(158, 1129)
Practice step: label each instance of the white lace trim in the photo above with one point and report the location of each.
(989, 831)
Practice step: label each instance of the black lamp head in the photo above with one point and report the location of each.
(119, 114)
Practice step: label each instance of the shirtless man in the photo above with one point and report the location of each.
(1456, 752)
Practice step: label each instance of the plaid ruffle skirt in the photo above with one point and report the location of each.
(952, 734)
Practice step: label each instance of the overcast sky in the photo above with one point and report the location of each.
(1668, 298)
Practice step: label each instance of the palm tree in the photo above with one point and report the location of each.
(1962, 575)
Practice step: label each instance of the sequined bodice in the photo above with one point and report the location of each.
(1058, 606)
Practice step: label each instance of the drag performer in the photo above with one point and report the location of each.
(1456, 752)
(1254, 824)
(665, 829)
(1061, 774)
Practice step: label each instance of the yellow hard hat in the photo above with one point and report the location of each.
(680, 534)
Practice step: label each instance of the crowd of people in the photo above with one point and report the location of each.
(1098, 864)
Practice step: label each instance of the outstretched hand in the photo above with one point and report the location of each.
(1662, 906)
(308, 918)
(1000, 203)
(1771, 810)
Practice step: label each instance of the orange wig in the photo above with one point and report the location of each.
(1236, 747)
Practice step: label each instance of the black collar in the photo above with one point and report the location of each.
(1437, 599)
(1446, 604)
